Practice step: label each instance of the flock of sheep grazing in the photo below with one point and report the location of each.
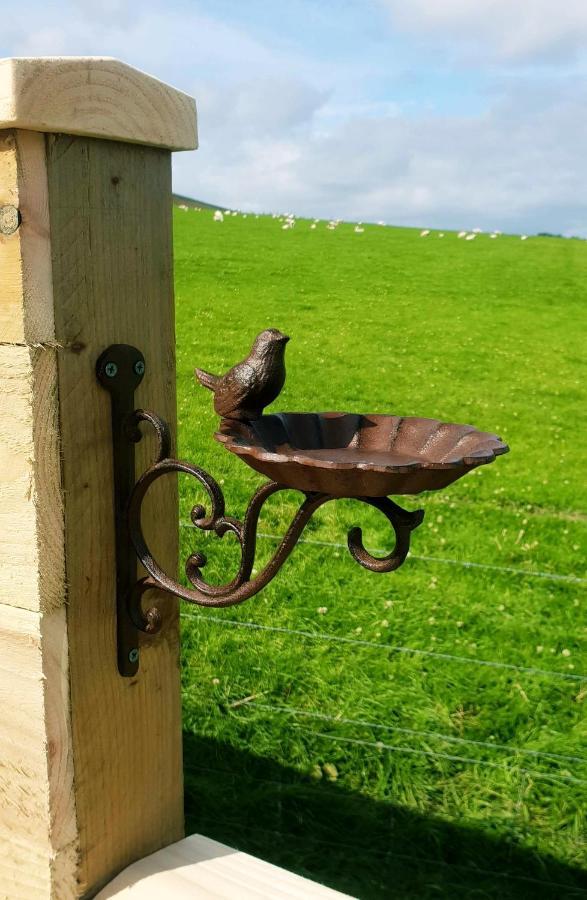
(470, 235)
(289, 221)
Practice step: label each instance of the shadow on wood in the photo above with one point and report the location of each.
(354, 844)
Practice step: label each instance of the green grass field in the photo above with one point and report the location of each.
(419, 734)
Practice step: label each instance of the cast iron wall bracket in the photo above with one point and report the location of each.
(120, 370)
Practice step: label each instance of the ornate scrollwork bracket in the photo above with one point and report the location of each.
(120, 370)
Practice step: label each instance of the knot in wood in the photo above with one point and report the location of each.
(9, 219)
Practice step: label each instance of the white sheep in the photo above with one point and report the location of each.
(218, 217)
(425, 233)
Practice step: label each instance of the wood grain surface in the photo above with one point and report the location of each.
(110, 207)
(97, 97)
(38, 831)
(203, 868)
(26, 305)
(38, 834)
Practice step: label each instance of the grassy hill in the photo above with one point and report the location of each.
(419, 734)
(180, 200)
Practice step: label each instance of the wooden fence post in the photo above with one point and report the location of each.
(90, 763)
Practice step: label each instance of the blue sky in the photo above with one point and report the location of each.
(438, 113)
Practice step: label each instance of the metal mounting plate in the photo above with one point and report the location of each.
(120, 370)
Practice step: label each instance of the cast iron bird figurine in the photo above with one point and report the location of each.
(252, 384)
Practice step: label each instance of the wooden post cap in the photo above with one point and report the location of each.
(97, 97)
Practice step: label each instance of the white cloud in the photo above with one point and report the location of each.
(257, 107)
(184, 45)
(285, 127)
(506, 30)
(519, 167)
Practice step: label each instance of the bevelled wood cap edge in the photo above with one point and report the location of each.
(97, 97)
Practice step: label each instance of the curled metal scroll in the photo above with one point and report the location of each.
(242, 586)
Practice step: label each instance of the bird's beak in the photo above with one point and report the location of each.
(284, 338)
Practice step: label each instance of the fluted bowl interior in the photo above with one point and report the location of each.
(351, 455)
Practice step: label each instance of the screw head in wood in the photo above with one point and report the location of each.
(133, 655)
(139, 367)
(10, 219)
(111, 369)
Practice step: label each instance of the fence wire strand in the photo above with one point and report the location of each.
(391, 648)
(467, 760)
(471, 870)
(466, 564)
(412, 732)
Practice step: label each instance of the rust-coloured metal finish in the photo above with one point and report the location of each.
(251, 385)
(325, 456)
(349, 455)
(243, 586)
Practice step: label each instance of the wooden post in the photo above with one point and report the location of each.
(90, 763)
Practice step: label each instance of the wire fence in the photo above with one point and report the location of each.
(467, 760)
(443, 560)
(391, 648)
(406, 857)
(565, 769)
(413, 732)
(381, 746)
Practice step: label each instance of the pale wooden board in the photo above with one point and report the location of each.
(38, 831)
(37, 814)
(24, 782)
(26, 302)
(110, 207)
(19, 546)
(203, 868)
(65, 848)
(95, 96)
(31, 508)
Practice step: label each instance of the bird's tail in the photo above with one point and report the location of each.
(207, 379)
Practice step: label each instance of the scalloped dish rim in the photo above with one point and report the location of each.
(237, 444)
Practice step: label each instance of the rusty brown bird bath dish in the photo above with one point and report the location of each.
(325, 456)
(350, 455)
